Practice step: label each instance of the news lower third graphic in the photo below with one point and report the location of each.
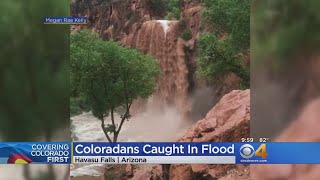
(35, 153)
(154, 153)
(158, 153)
(65, 20)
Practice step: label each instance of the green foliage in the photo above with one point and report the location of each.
(182, 23)
(158, 7)
(231, 19)
(34, 78)
(171, 16)
(78, 105)
(283, 30)
(173, 10)
(216, 59)
(186, 35)
(170, 9)
(110, 76)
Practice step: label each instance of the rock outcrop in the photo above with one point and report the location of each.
(137, 24)
(141, 174)
(304, 129)
(191, 13)
(112, 19)
(147, 172)
(228, 121)
(133, 23)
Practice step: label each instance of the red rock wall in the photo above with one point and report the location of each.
(228, 121)
(129, 22)
(132, 23)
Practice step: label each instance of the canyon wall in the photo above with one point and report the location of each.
(132, 24)
(135, 23)
(227, 121)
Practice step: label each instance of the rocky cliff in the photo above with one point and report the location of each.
(134, 23)
(118, 19)
(138, 24)
(228, 121)
(112, 19)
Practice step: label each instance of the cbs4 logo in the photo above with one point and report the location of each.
(247, 151)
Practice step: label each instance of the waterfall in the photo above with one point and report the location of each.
(160, 38)
(164, 115)
(165, 25)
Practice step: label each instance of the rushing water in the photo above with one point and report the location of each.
(152, 125)
(159, 122)
(165, 25)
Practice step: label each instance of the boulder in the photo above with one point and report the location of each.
(156, 172)
(227, 121)
(129, 170)
(142, 174)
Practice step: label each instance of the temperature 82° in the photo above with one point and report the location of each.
(263, 139)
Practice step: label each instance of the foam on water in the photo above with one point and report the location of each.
(87, 128)
(89, 170)
(165, 25)
(151, 125)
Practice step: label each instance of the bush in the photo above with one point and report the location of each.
(292, 28)
(158, 7)
(170, 16)
(170, 9)
(173, 10)
(186, 35)
(230, 18)
(182, 24)
(78, 105)
(216, 59)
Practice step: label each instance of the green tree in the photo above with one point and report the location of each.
(218, 56)
(78, 105)
(186, 35)
(170, 9)
(158, 7)
(34, 76)
(173, 10)
(110, 76)
(283, 30)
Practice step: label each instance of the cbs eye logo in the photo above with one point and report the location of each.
(247, 151)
